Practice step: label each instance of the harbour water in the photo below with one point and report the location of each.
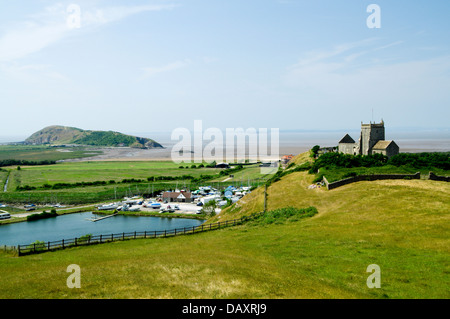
(76, 225)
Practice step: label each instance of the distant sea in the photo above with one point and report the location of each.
(295, 142)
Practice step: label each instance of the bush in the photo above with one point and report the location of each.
(318, 179)
(315, 150)
(290, 214)
(43, 215)
(85, 238)
(38, 245)
(349, 174)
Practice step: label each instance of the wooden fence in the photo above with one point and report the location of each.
(99, 239)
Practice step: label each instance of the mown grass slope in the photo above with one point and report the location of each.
(400, 225)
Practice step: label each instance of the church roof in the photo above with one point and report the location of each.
(382, 145)
(347, 139)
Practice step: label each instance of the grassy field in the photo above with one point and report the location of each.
(38, 176)
(400, 225)
(99, 171)
(250, 172)
(41, 153)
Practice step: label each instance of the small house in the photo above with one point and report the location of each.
(180, 197)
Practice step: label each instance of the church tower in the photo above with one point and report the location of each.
(370, 134)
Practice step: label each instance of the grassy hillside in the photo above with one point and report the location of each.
(58, 135)
(400, 225)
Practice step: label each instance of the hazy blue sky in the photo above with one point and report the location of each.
(142, 66)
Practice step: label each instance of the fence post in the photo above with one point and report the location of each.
(48, 245)
(134, 235)
(145, 234)
(76, 242)
(100, 239)
(123, 236)
(175, 231)
(18, 250)
(63, 243)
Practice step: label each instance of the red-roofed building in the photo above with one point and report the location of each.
(286, 158)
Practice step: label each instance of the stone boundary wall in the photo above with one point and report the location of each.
(435, 177)
(373, 177)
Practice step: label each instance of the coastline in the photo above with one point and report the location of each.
(130, 154)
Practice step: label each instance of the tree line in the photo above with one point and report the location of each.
(415, 160)
(11, 162)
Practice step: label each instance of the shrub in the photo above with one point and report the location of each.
(42, 215)
(349, 174)
(319, 178)
(38, 245)
(85, 238)
(290, 214)
(315, 150)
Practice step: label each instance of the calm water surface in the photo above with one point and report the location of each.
(75, 225)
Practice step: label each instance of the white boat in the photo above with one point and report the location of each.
(4, 215)
(134, 209)
(168, 208)
(107, 207)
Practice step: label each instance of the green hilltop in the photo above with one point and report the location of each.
(59, 135)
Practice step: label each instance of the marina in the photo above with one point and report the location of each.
(80, 224)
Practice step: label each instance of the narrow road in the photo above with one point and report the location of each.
(6, 183)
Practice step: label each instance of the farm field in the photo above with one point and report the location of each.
(112, 175)
(99, 171)
(400, 225)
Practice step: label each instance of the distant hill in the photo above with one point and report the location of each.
(58, 135)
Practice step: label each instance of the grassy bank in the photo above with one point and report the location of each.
(400, 225)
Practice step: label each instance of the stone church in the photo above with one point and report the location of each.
(371, 141)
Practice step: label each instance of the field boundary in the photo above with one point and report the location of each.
(42, 247)
(372, 177)
(435, 177)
